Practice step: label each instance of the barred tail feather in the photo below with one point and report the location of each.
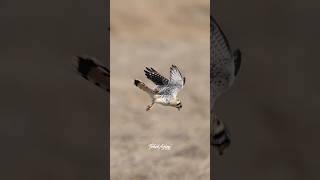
(94, 72)
(143, 87)
(220, 136)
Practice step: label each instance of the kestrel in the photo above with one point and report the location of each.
(166, 91)
(224, 68)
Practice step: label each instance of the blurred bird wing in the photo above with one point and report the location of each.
(220, 48)
(225, 64)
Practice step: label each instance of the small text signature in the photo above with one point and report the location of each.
(159, 147)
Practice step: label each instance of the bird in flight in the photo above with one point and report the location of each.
(93, 71)
(166, 90)
(224, 68)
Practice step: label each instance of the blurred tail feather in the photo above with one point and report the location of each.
(94, 72)
(143, 87)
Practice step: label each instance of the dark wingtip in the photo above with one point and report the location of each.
(84, 65)
(136, 82)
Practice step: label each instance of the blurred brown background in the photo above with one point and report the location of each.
(52, 122)
(159, 33)
(272, 110)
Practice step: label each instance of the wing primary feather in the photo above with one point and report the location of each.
(155, 77)
(175, 75)
(215, 27)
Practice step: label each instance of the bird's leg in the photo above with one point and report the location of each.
(150, 106)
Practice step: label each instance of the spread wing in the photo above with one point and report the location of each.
(155, 77)
(220, 48)
(225, 63)
(176, 78)
(94, 72)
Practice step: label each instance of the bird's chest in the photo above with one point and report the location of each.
(164, 100)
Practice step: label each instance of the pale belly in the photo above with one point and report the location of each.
(163, 101)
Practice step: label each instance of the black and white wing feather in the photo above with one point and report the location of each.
(225, 63)
(220, 48)
(93, 71)
(155, 77)
(176, 77)
(176, 82)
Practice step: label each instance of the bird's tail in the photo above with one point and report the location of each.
(220, 136)
(143, 87)
(94, 72)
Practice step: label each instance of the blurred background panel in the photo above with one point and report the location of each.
(272, 110)
(52, 122)
(159, 33)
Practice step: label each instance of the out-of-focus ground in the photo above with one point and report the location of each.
(273, 108)
(158, 34)
(52, 121)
